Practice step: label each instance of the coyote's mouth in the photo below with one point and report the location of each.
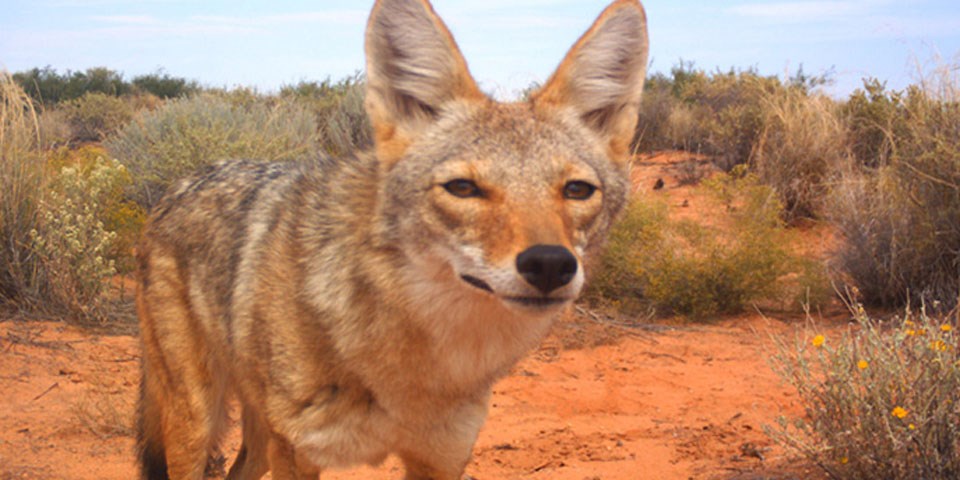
(476, 282)
(537, 302)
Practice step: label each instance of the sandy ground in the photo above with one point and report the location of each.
(658, 403)
(596, 401)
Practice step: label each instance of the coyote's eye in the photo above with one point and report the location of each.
(578, 190)
(463, 188)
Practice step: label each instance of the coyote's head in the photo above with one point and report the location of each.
(497, 201)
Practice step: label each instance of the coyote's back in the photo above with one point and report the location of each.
(364, 306)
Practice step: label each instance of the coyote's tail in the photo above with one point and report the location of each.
(150, 449)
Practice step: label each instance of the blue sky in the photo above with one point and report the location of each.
(508, 43)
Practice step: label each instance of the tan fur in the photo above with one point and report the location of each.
(365, 306)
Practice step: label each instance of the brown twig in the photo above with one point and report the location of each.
(51, 387)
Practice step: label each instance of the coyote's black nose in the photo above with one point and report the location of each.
(547, 267)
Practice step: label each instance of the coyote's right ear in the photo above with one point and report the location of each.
(602, 76)
(413, 68)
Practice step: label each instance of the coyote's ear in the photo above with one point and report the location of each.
(413, 68)
(602, 76)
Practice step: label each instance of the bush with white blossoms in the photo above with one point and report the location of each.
(72, 242)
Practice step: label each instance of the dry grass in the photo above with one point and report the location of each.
(899, 212)
(51, 243)
(21, 184)
(801, 145)
(105, 412)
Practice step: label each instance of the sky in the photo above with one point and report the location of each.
(508, 44)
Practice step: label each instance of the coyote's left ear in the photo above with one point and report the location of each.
(602, 76)
(413, 68)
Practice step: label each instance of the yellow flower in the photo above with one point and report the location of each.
(939, 346)
(899, 412)
(911, 332)
(818, 341)
(844, 460)
(863, 364)
(912, 426)
(945, 328)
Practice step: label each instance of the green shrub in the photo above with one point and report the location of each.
(95, 115)
(22, 183)
(72, 242)
(618, 280)
(679, 266)
(162, 85)
(899, 215)
(185, 134)
(878, 402)
(48, 87)
(705, 271)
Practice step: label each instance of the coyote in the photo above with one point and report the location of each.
(364, 306)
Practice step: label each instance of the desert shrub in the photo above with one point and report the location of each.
(163, 85)
(874, 118)
(174, 140)
(720, 114)
(618, 279)
(119, 215)
(55, 128)
(244, 97)
(48, 87)
(21, 186)
(802, 143)
(691, 171)
(347, 128)
(789, 136)
(696, 270)
(901, 218)
(143, 101)
(656, 106)
(878, 402)
(727, 111)
(705, 271)
(95, 115)
(343, 126)
(72, 242)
